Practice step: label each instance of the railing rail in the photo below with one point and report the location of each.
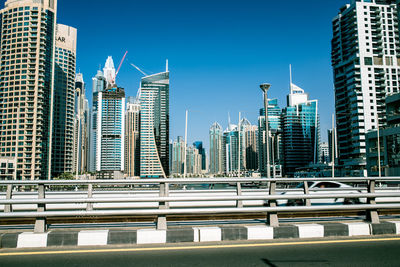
(195, 198)
(195, 181)
(271, 198)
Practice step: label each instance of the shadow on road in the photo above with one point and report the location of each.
(273, 263)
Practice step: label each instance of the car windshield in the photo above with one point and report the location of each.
(301, 185)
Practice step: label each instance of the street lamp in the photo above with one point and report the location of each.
(265, 87)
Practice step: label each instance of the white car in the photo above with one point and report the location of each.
(322, 188)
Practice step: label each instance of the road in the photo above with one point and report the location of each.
(364, 252)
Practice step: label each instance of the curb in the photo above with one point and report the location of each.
(195, 234)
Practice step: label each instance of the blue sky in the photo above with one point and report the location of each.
(219, 52)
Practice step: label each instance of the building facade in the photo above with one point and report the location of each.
(26, 85)
(154, 126)
(132, 138)
(324, 153)
(62, 158)
(389, 137)
(366, 61)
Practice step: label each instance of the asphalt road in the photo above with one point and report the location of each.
(367, 252)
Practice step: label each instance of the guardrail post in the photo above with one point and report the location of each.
(272, 217)
(89, 206)
(40, 224)
(8, 207)
(162, 219)
(306, 192)
(239, 203)
(372, 215)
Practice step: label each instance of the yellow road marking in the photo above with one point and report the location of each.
(197, 247)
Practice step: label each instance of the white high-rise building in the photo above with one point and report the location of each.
(366, 64)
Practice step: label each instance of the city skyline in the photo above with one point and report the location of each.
(232, 54)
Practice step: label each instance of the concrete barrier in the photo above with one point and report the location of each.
(193, 234)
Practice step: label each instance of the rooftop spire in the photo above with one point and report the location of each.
(166, 67)
(291, 82)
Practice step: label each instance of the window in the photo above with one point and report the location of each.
(368, 60)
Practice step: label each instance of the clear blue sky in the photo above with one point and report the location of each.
(219, 52)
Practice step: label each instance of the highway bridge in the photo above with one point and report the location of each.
(253, 213)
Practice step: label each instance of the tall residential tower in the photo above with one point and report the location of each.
(366, 65)
(132, 138)
(154, 125)
(27, 64)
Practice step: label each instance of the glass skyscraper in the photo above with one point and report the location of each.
(216, 149)
(202, 152)
(111, 140)
(98, 86)
(154, 126)
(62, 154)
(300, 131)
(178, 156)
(274, 119)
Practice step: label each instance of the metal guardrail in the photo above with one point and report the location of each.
(164, 199)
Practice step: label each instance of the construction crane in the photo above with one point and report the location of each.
(145, 74)
(119, 67)
(136, 67)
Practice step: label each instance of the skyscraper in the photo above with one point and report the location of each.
(108, 124)
(324, 152)
(26, 85)
(193, 161)
(231, 150)
(82, 126)
(275, 138)
(365, 60)
(216, 149)
(111, 130)
(250, 147)
(98, 86)
(154, 125)
(64, 101)
(178, 156)
(300, 127)
(132, 138)
(202, 151)
(332, 145)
